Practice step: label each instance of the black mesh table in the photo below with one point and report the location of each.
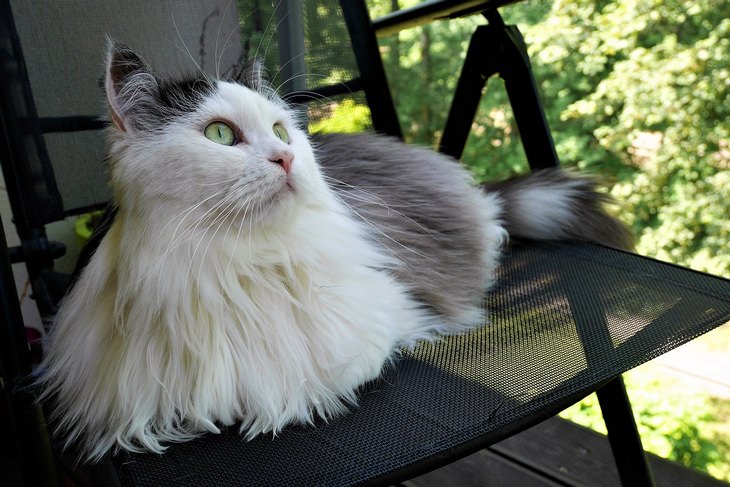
(565, 320)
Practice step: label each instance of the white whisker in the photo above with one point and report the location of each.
(266, 29)
(376, 200)
(245, 206)
(223, 219)
(322, 99)
(377, 229)
(285, 65)
(276, 29)
(217, 37)
(204, 232)
(185, 49)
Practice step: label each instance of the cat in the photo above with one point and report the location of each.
(257, 275)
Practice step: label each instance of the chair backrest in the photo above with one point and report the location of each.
(57, 56)
(321, 51)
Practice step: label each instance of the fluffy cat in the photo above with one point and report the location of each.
(256, 275)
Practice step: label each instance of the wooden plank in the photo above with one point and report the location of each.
(578, 455)
(555, 452)
(482, 469)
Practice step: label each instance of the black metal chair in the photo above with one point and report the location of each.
(568, 319)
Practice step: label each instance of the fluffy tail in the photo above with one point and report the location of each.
(554, 204)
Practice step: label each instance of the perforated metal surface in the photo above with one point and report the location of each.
(566, 318)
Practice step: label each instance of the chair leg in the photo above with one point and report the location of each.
(24, 442)
(474, 73)
(633, 467)
(519, 82)
(500, 49)
(372, 72)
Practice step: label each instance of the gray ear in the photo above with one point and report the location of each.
(129, 85)
(250, 74)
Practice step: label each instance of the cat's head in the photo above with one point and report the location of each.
(232, 148)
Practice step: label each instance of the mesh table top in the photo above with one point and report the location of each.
(565, 319)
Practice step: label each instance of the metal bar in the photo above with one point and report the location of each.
(27, 445)
(497, 48)
(291, 48)
(372, 73)
(32, 190)
(478, 66)
(429, 11)
(537, 141)
(324, 92)
(290, 31)
(633, 467)
(78, 123)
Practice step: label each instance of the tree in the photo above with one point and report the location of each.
(649, 107)
(634, 90)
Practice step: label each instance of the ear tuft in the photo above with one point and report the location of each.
(123, 63)
(251, 75)
(128, 82)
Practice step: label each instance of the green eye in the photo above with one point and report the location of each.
(220, 133)
(281, 133)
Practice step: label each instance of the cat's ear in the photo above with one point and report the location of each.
(129, 85)
(252, 75)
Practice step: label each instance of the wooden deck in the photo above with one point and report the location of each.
(551, 454)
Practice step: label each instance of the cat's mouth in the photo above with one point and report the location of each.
(289, 185)
(279, 198)
(282, 191)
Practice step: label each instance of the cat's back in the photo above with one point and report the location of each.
(425, 209)
(372, 160)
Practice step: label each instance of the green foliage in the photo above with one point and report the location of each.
(635, 91)
(346, 117)
(659, 113)
(677, 426)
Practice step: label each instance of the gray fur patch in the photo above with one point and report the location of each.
(420, 206)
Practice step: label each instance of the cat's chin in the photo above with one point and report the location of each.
(288, 186)
(281, 204)
(287, 189)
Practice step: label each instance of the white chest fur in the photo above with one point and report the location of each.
(265, 328)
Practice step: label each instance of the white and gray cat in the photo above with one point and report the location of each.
(257, 275)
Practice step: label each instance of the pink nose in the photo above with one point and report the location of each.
(283, 158)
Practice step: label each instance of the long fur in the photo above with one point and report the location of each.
(228, 290)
